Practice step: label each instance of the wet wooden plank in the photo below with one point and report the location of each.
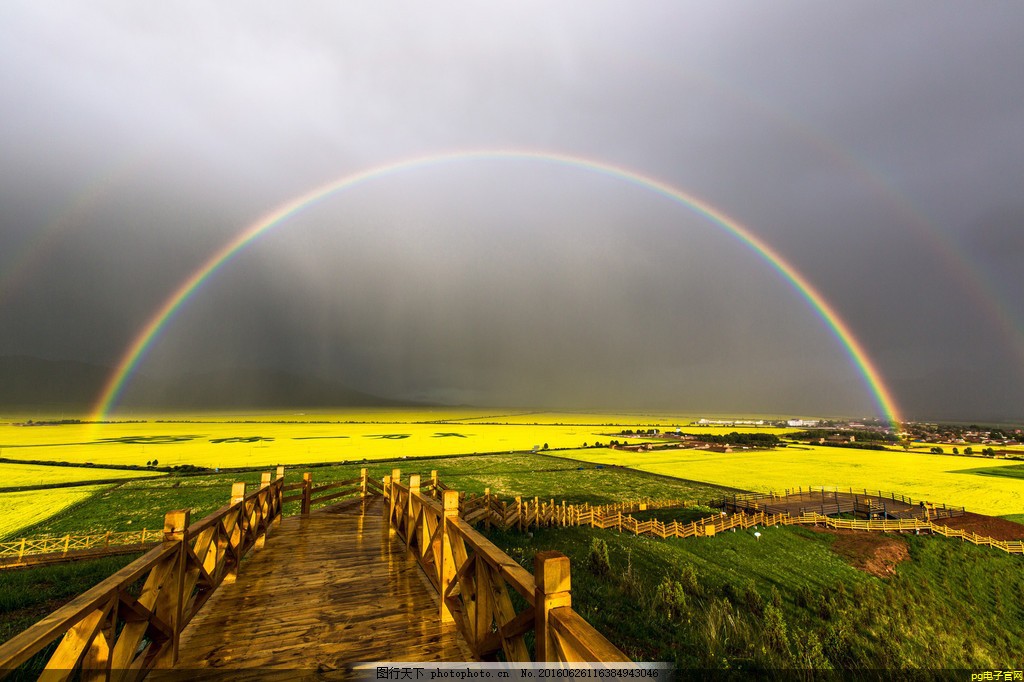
(328, 589)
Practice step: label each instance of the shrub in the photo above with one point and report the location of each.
(688, 579)
(774, 631)
(597, 561)
(809, 652)
(752, 599)
(670, 599)
(631, 583)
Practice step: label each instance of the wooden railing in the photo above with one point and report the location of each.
(50, 549)
(724, 522)
(525, 514)
(131, 622)
(476, 582)
(842, 501)
(20, 552)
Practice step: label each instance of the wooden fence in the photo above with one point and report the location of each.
(723, 522)
(473, 579)
(825, 500)
(525, 514)
(53, 549)
(132, 621)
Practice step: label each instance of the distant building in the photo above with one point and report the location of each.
(802, 423)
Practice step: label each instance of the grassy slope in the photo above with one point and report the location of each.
(950, 606)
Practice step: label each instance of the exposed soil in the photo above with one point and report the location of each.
(989, 526)
(874, 553)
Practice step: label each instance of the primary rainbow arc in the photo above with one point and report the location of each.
(157, 322)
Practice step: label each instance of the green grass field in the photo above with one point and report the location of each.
(134, 505)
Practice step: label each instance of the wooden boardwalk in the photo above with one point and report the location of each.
(329, 589)
(245, 593)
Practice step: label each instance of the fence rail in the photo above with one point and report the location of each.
(473, 579)
(834, 500)
(132, 621)
(54, 548)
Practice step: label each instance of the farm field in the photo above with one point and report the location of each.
(243, 440)
(139, 504)
(957, 480)
(793, 598)
(13, 475)
(25, 509)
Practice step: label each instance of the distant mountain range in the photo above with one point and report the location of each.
(34, 383)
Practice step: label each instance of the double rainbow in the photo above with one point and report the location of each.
(136, 351)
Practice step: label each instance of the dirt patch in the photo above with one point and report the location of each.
(872, 553)
(989, 526)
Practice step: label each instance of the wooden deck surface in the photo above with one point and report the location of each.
(327, 590)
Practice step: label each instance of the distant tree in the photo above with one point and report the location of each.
(956, 451)
(968, 451)
(149, 463)
(155, 462)
(545, 446)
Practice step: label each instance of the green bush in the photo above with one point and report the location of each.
(670, 599)
(597, 561)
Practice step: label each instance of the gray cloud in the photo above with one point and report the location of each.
(877, 146)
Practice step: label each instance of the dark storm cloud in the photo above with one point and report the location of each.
(878, 146)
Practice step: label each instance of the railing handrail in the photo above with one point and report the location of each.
(429, 530)
(167, 602)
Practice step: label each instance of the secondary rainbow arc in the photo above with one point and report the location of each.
(158, 321)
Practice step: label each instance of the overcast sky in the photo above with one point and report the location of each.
(877, 146)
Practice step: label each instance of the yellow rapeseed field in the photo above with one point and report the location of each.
(261, 440)
(24, 509)
(16, 475)
(935, 478)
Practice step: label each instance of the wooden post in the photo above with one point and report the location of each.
(307, 492)
(362, 484)
(551, 573)
(487, 500)
(241, 528)
(410, 514)
(519, 511)
(176, 530)
(446, 567)
(264, 503)
(278, 497)
(237, 492)
(385, 484)
(434, 492)
(396, 477)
